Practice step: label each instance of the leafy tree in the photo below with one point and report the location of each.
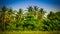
(54, 20)
(57, 15)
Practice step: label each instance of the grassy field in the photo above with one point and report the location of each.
(30, 32)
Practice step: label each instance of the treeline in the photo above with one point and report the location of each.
(32, 20)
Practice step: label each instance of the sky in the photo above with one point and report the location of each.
(48, 5)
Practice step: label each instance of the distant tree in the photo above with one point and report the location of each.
(36, 8)
(30, 9)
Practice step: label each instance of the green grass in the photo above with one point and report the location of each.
(30, 32)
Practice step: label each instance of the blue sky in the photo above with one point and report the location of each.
(48, 5)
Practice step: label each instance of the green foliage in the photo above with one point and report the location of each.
(32, 20)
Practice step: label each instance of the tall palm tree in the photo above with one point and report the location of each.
(4, 9)
(42, 11)
(35, 11)
(41, 14)
(36, 8)
(30, 9)
(19, 14)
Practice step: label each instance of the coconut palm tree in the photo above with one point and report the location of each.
(41, 14)
(36, 8)
(19, 14)
(35, 11)
(30, 9)
(3, 18)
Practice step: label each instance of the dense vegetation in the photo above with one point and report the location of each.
(33, 19)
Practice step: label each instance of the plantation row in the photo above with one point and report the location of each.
(33, 19)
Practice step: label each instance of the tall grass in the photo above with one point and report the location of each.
(30, 32)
